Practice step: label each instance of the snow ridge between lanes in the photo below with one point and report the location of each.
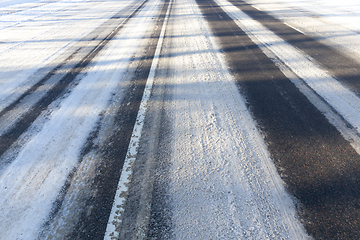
(223, 184)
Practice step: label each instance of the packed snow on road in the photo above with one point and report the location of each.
(221, 180)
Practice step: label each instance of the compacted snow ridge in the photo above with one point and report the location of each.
(223, 184)
(30, 184)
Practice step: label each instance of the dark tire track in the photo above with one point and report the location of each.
(11, 136)
(111, 151)
(319, 167)
(148, 200)
(343, 68)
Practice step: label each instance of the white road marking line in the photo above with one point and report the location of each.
(119, 200)
(257, 8)
(294, 28)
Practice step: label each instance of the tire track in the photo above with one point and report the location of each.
(343, 68)
(113, 230)
(319, 167)
(18, 117)
(105, 151)
(96, 111)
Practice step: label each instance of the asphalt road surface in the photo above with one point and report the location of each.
(167, 119)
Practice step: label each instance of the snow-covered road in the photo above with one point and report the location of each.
(167, 119)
